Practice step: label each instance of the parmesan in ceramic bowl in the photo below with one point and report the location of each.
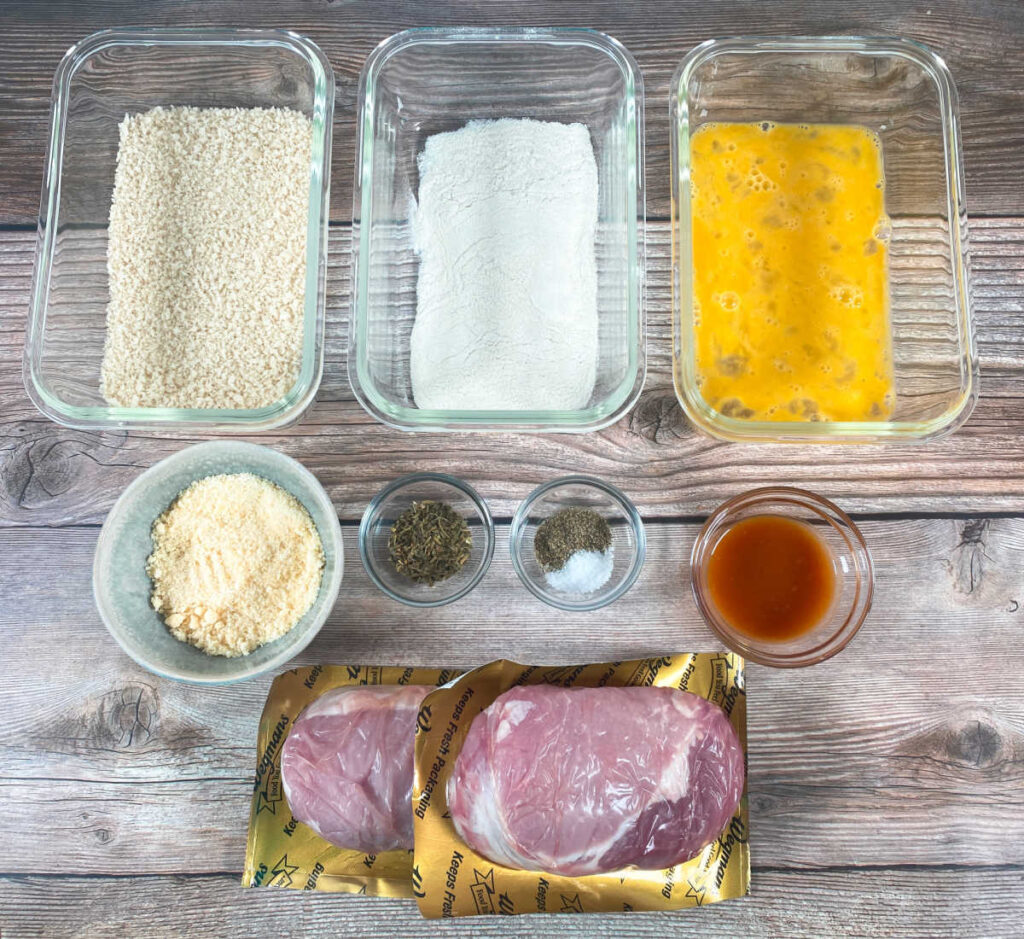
(267, 531)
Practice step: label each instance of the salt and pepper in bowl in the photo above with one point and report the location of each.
(577, 543)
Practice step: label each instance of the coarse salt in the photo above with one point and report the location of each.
(584, 572)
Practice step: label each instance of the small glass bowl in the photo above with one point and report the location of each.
(390, 503)
(629, 542)
(854, 575)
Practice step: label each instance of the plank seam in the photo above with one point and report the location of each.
(648, 520)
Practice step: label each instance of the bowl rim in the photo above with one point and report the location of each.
(329, 587)
(625, 396)
(829, 512)
(294, 403)
(400, 483)
(718, 425)
(518, 525)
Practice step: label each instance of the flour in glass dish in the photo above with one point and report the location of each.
(506, 306)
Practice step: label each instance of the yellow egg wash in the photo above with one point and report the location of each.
(790, 292)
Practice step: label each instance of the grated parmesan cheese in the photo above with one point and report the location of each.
(236, 563)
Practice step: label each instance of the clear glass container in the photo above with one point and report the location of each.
(426, 81)
(904, 93)
(850, 557)
(388, 505)
(125, 71)
(629, 541)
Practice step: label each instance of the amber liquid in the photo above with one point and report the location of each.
(771, 578)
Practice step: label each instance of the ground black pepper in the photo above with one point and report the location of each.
(566, 532)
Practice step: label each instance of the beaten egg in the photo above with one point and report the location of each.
(790, 284)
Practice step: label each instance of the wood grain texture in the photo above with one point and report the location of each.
(979, 39)
(886, 786)
(907, 902)
(53, 476)
(908, 746)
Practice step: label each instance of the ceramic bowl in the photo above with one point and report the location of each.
(122, 587)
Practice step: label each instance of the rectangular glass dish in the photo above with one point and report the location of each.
(904, 93)
(126, 71)
(427, 81)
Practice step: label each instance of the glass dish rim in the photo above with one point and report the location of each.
(518, 524)
(332, 587)
(400, 483)
(106, 417)
(697, 410)
(628, 392)
(825, 509)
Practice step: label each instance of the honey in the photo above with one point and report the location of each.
(771, 578)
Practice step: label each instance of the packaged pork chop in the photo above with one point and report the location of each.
(579, 789)
(331, 799)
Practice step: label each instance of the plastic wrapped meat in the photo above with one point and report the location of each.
(581, 781)
(347, 766)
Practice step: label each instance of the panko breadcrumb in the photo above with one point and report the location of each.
(206, 258)
(236, 563)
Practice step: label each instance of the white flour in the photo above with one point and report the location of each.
(506, 307)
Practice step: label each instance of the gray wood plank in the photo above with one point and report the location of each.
(950, 902)
(52, 476)
(907, 748)
(886, 785)
(979, 40)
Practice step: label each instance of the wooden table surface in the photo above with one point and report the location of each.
(886, 786)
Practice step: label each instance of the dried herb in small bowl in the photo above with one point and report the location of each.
(429, 542)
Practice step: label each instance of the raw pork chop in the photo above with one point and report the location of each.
(347, 765)
(588, 780)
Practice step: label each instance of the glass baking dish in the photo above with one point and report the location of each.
(425, 81)
(903, 92)
(105, 76)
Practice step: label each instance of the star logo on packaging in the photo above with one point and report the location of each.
(571, 904)
(695, 893)
(483, 891)
(268, 797)
(281, 875)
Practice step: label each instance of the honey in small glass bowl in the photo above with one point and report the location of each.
(782, 576)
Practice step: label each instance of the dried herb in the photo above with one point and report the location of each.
(567, 531)
(429, 542)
